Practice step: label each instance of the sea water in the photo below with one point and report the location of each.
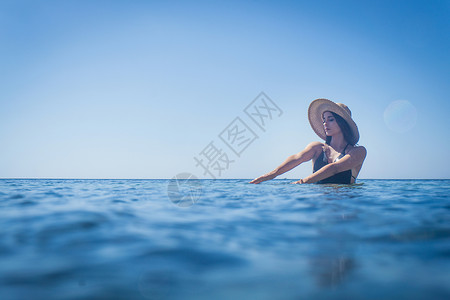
(132, 239)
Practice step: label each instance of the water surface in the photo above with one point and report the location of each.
(126, 239)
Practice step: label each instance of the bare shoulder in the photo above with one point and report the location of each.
(358, 151)
(315, 145)
(313, 149)
(309, 152)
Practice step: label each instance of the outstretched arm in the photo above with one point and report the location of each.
(351, 160)
(291, 162)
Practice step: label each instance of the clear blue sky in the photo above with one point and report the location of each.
(136, 89)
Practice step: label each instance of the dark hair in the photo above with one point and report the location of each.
(345, 128)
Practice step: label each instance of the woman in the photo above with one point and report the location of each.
(339, 160)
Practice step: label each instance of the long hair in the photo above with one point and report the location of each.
(345, 128)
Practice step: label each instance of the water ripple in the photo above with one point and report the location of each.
(123, 239)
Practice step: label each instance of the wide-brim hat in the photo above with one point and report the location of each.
(319, 106)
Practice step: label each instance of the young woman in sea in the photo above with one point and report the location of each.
(339, 159)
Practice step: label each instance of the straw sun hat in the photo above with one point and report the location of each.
(319, 106)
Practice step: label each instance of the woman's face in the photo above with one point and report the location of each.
(329, 124)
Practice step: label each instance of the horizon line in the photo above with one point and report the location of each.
(78, 178)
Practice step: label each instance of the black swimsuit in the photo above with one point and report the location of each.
(343, 177)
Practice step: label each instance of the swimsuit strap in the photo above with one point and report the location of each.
(342, 153)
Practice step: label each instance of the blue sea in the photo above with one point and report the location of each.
(224, 239)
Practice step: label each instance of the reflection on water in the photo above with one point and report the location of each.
(334, 259)
(125, 239)
(331, 271)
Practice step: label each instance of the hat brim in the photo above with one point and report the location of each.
(316, 110)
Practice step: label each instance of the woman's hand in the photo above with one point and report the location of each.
(298, 182)
(262, 178)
